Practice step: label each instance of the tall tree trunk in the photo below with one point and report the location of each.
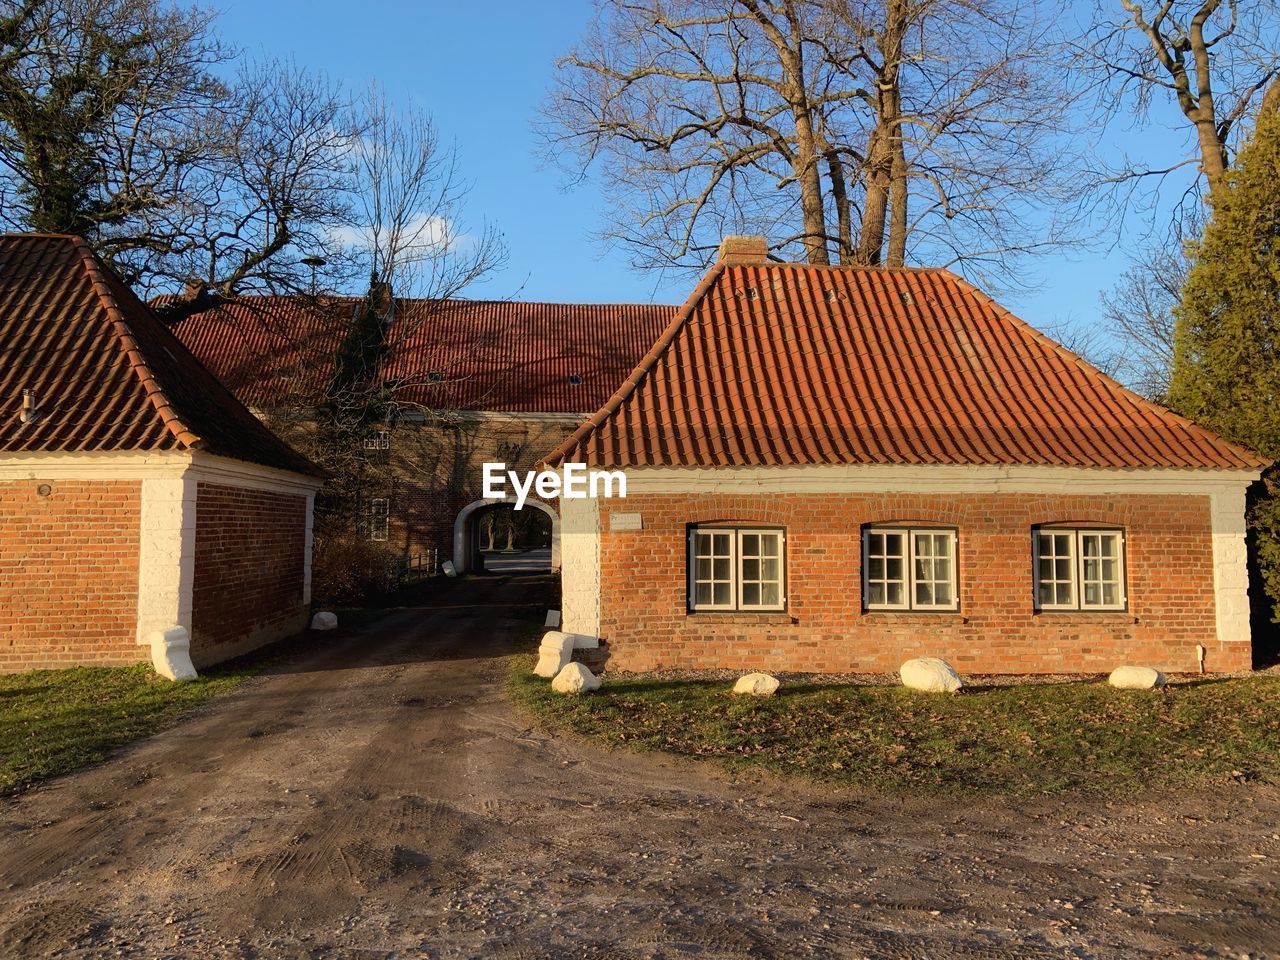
(809, 175)
(875, 205)
(840, 199)
(898, 199)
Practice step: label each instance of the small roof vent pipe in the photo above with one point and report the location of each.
(28, 414)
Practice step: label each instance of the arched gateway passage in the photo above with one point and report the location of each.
(469, 532)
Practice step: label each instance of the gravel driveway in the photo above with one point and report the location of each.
(381, 798)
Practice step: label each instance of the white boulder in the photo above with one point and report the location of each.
(554, 652)
(575, 678)
(1136, 678)
(930, 675)
(324, 620)
(756, 685)
(171, 653)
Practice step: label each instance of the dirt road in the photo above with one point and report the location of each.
(381, 798)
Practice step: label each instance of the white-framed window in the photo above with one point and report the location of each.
(909, 568)
(1078, 568)
(377, 513)
(737, 568)
(378, 440)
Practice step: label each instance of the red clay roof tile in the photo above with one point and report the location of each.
(496, 356)
(786, 364)
(104, 372)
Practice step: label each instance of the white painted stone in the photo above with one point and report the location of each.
(575, 678)
(324, 620)
(930, 675)
(448, 569)
(757, 685)
(582, 641)
(171, 653)
(553, 619)
(554, 652)
(1136, 678)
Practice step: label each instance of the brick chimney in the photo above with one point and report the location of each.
(744, 250)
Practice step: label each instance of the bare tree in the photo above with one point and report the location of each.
(1138, 313)
(1215, 60)
(115, 124)
(848, 129)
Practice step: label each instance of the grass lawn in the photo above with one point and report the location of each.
(1031, 739)
(53, 721)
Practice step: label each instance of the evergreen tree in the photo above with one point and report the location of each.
(1226, 364)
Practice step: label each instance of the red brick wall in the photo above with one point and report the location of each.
(1170, 588)
(248, 567)
(68, 574)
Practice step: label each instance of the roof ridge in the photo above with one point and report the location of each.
(151, 385)
(1102, 379)
(642, 368)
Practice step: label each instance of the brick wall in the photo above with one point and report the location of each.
(1170, 588)
(68, 573)
(248, 569)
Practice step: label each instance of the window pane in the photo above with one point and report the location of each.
(751, 594)
(942, 594)
(1110, 594)
(771, 569)
(771, 594)
(1045, 594)
(875, 593)
(703, 569)
(721, 544)
(750, 569)
(721, 569)
(722, 594)
(702, 593)
(875, 568)
(1063, 593)
(750, 545)
(893, 569)
(1062, 569)
(924, 593)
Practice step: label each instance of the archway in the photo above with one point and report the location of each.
(466, 532)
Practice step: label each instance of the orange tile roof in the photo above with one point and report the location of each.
(499, 356)
(783, 364)
(104, 372)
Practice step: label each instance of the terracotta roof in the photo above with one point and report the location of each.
(104, 372)
(497, 356)
(781, 364)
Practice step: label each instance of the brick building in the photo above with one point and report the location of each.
(474, 382)
(136, 493)
(838, 469)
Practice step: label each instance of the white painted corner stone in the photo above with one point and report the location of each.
(930, 675)
(324, 620)
(575, 678)
(553, 619)
(756, 685)
(555, 651)
(1136, 678)
(171, 653)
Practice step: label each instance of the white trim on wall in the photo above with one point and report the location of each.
(166, 554)
(580, 566)
(892, 478)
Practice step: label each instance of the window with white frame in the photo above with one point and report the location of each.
(378, 440)
(377, 511)
(908, 568)
(737, 568)
(1079, 568)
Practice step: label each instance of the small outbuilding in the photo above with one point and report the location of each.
(840, 469)
(136, 493)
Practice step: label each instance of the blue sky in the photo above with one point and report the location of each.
(482, 70)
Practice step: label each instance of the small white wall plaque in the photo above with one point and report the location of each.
(625, 521)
